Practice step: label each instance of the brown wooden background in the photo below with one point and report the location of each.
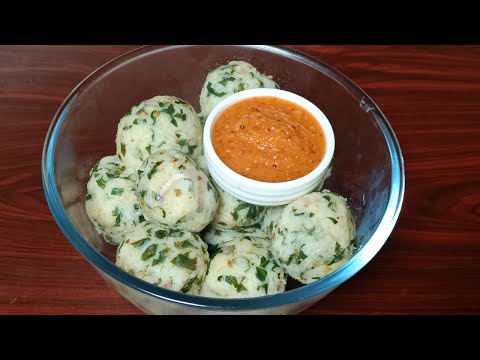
(431, 263)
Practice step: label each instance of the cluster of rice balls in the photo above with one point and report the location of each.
(177, 229)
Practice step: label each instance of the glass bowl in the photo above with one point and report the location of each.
(368, 165)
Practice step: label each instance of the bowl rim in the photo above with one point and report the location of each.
(305, 292)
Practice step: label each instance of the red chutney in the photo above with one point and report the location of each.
(269, 139)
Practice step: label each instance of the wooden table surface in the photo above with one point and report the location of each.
(430, 264)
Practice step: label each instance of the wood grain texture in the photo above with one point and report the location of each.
(430, 264)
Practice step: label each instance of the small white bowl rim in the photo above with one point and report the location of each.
(262, 185)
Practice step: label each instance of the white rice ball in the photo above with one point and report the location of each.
(160, 123)
(173, 191)
(314, 235)
(176, 260)
(229, 79)
(110, 201)
(233, 213)
(243, 268)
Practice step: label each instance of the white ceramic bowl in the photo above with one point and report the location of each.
(259, 192)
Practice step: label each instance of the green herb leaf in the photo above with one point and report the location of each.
(225, 80)
(141, 219)
(185, 243)
(101, 183)
(182, 260)
(232, 280)
(151, 172)
(88, 197)
(140, 242)
(170, 110)
(186, 288)
(160, 234)
(191, 149)
(261, 273)
(264, 262)
(149, 149)
(214, 250)
(240, 87)
(118, 215)
(149, 252)
(333, 220)
(117, 191)
(122, 148)
(162, 255)
(212, 91)
(339, 254)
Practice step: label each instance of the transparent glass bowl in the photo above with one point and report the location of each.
(368, 165)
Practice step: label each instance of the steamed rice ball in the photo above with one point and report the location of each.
(173, 191)
(234, 213)
(160, 123)
(110, 201)
(229, 79)
(314, 235)
(243, 268)
(176, 260)
(216, 237)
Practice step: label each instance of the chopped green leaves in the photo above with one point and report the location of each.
(141, 219)
(162, 255)
(185, 243)
(149, 252)
(140, 242)
(261, 273)
(263, 262)
(252, 213)
(188, 285)
(339, 254)
(122, 148)
(182, 260)
(333, 220)
(101, 183)
(240, 87)
(117, 191)
(154, 115)
(226, 79)
(88, 197)
(160, 234)
(212, 91)
(232, 280)
(181, 115)
(214, 250)
(117, 214)
(149, 149)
